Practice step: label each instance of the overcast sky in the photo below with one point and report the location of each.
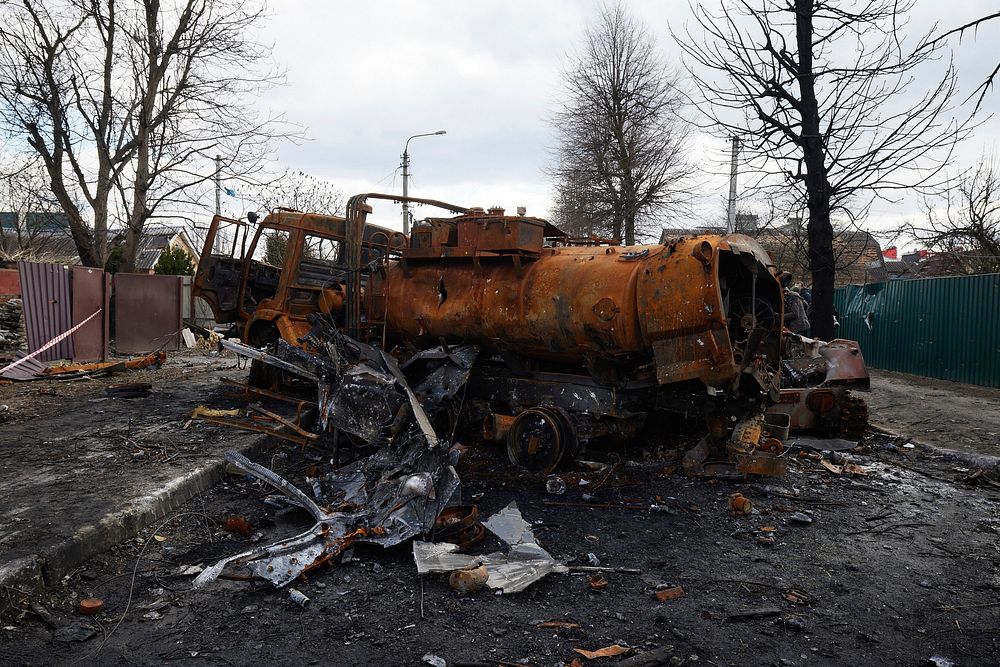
(362, 77)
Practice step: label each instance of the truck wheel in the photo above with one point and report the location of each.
(539, 439)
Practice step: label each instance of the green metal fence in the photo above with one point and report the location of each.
(946, 328)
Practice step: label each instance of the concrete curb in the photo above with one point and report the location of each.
(968, 458)
(31, 574)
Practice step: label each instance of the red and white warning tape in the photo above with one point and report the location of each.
(49, 344)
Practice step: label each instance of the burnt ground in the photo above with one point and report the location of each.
(945, 414)
(898, 565)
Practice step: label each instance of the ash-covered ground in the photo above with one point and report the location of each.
(899, 566)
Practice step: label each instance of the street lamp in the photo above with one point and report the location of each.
(406, 177)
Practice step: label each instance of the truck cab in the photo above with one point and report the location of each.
(267, 277)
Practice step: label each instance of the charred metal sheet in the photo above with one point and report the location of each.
(449, 370)
(362, 404)
(417, 409)
(693, 356)
(45, 290)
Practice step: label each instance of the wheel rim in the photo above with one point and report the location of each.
(535, 441)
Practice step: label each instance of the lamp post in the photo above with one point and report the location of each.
(406, 177)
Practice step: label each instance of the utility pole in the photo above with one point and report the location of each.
(731, 218)
(406, 177)
(406, 189)
(218, 185)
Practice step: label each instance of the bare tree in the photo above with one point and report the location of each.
(620, 138)
(302, 192)
(820, 92)
(964, 222)
(30, 220)
(575, 211)
(128, 101)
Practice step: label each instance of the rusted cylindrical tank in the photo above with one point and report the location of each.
(573, 303)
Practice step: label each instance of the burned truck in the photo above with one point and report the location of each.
(576, 339)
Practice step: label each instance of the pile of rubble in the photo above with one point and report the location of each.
(397, 493)
(11, 325)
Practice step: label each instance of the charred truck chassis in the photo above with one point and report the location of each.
(579, 338)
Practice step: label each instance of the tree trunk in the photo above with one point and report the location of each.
(819, 230)
(139, 212)
(630, 226)
(616, 224)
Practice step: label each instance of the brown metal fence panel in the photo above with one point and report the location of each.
(47, 308)
(148, 312)
(91, 290)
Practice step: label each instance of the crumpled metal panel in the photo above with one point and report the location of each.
(524, 563)
(27, 370)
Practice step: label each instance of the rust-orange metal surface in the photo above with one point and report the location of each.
(575, 302)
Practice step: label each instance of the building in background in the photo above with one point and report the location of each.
(859, 256)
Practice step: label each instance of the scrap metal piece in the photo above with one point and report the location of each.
(524, 563)
(260, 355)
(823, 444)
(280, 563)
(362, 404)
(510, 526)
(520, 567)
(762, 463)
(386, 511)
(151, 360)
(441, 557)
(418, 409)
(24, 367)
(278, 482)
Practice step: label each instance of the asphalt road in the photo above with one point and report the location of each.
(951, 415)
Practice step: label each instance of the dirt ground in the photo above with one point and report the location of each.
(945, 414)
(26, 401)
(899, 565)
